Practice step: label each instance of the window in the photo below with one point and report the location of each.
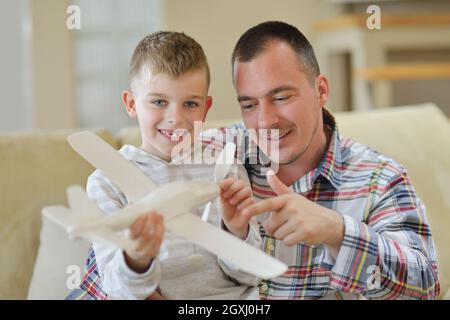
(110, 30)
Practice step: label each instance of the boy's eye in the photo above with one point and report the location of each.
(159, 103)
(191, 104)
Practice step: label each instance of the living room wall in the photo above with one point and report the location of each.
(217, 25)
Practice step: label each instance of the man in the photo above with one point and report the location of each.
(344, 218)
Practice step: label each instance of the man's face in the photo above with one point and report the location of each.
(275, 93)
(163, 104)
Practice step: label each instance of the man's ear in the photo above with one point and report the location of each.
(129, 103)
(323, 90)
(208, 106)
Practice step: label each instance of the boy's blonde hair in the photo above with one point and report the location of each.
(170, 53)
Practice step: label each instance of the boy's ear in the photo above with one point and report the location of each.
(208, 105)
(129, 102)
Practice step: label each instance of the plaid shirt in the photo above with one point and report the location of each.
(387, 251)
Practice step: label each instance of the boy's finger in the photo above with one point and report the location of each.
(148, 231)
(137, 226)
(152, 248)
(236, 186)
(225, 184)
(241, 195)
(159, 232)
(149, 228)
(244, 204)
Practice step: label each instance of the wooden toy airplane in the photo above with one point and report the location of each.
(175, 201)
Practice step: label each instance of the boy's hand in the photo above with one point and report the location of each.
(148, 230)
(235, 195)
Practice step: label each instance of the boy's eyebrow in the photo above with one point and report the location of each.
(269, 93)
(196, 97)
(162, 95)
(155, 94)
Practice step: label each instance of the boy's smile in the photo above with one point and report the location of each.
(172, 135)
(167, 107)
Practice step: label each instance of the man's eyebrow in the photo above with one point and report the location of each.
(244, 98)
(269, 93)
(278, 90)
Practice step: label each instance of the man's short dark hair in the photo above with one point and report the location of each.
(255, 40)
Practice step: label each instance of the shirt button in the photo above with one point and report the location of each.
(271, 247)
(264, 287)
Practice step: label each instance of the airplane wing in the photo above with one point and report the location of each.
(226, 246)
(133, 183)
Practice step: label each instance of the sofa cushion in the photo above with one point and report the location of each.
(59, 264)
(35, 168)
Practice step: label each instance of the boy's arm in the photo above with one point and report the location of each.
(253, 238)
(118, 280)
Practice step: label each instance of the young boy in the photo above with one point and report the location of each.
(169, 81)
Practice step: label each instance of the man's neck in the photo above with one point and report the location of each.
(290, 173)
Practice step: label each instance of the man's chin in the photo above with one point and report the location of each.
(289, 158)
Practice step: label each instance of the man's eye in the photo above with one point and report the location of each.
(159, 103)
(247, 106)
(282, 98)
(191, 104)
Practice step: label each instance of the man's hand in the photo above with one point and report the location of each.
(148, 230)
(295, 219)
(235, 196)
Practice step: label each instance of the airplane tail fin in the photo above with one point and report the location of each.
(59, 215)
(80, 209)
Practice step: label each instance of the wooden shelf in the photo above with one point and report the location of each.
(413, 71)
(359, 21)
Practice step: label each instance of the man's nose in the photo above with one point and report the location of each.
(267, 116)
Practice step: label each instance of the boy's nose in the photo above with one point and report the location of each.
(173, 115)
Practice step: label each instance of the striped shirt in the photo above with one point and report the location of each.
(387, 251)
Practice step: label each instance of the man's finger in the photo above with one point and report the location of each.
(272, 204)
(276, 184)
(284, 230)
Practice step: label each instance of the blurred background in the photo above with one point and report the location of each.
(54, 77)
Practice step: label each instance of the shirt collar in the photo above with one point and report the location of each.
(141, 156)
(331, 163)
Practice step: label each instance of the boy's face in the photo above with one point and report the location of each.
(163, 104)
